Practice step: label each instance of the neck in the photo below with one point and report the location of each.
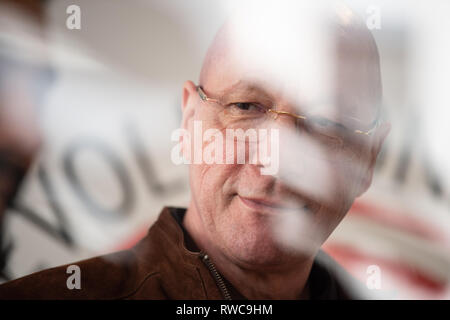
(287, 281)
(258, 282)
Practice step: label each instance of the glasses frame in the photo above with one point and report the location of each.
(369, 132)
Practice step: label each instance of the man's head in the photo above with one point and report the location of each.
(318, 64)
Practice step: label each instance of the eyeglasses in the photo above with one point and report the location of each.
(249, 115)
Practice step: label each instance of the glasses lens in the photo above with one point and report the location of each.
(329, 134)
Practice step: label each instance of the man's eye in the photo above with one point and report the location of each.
(245, 110)
(247, 106)
(323, 124)
(328, 132)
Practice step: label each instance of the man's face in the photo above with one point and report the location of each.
(248, 216)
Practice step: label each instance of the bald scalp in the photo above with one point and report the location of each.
(217, 53)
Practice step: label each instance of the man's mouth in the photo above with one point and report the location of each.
(262, 204)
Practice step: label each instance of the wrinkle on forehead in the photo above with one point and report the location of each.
(313, 54)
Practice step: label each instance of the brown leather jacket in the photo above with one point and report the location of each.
(159, 267)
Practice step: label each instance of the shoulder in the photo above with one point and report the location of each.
(112, 276)
(155, 268)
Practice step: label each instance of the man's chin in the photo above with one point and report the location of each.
(263, 254)
(250, 239)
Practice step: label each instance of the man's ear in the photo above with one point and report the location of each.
(187, 103)
(380, 135)
(188, 111)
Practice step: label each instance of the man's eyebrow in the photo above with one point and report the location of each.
(245, 87)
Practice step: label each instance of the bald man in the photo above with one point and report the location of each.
(303, 82)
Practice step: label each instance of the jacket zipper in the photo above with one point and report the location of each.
(217, 277)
